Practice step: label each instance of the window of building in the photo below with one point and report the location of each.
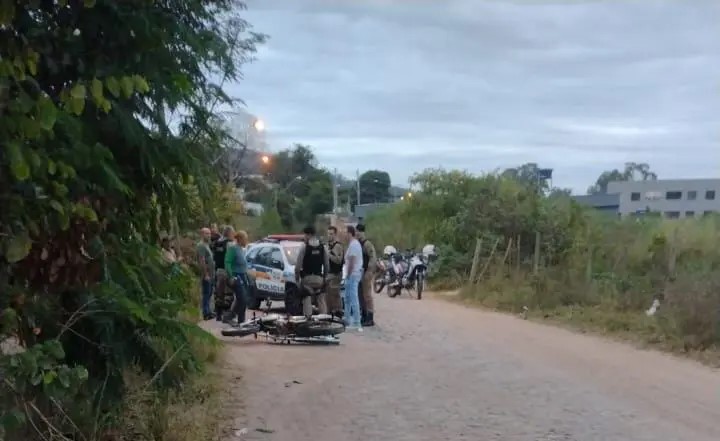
(673, 195)
(672, 214)
(710, 195)
(689, 214)
(708, 213)
(692, 195)
(634, 196)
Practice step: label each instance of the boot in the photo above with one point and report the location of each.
(363, 318)
(369, 319)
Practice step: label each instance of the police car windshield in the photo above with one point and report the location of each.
(291, 250)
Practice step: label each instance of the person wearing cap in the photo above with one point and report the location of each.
(369, 264)
(206, 263)
(336, 256)
(311, 271)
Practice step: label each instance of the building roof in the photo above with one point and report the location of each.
(599, 200)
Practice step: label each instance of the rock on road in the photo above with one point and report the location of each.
(433, 370)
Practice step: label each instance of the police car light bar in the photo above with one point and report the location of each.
(290, 237)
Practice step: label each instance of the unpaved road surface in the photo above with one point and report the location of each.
(433, 370)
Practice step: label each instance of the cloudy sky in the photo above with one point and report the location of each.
(578, 86)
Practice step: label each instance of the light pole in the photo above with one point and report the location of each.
(286, 188)
(258, 125)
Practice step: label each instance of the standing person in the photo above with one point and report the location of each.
(336, 257)
(311, 270)
(369, 266)
(214, 233)
(353, 259)
(236, 267)
(223, 295)
(206, 263)
(168, 252)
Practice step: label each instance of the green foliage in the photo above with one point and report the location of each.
(270, 221)
(91, 173)
(374, 187)
(300, 190)
(632, 172)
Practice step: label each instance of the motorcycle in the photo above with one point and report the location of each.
(407, 272)
(283, 328)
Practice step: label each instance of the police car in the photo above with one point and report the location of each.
(271, 267)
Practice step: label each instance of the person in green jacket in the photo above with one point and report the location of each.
(236, 267)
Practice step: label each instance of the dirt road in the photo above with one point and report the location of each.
(432, 370)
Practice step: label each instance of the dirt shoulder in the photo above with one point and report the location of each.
(435, 370)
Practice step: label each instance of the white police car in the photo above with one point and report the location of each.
(271, 268)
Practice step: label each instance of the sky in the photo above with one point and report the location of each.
(479, 85)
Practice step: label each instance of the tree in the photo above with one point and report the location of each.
(106, 112)
(560, 192)
(374, 187)
(270, 222)
(633, 171)
(528, 174)
(301, 189)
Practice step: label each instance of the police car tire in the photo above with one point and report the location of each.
(255, 303)
(293, 302)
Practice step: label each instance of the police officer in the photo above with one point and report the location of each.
(223, 295)
(369, 267)
(311, 271)
(336, 256)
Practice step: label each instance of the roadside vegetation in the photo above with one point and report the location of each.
(591, 270)
(109, 124)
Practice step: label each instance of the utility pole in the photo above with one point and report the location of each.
(335, 191)
(357, 184)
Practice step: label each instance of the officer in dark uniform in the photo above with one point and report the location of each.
(311, 271)
(335, 272)
(223, 294)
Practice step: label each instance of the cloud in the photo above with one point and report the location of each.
(472, 84)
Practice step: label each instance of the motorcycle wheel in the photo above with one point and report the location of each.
(320, 329)
(394, 291)
(242, 330)
(420, 285)
(378, 283)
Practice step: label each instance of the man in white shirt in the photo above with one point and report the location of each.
(354, 262)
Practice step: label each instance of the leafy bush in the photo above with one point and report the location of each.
(91, 172)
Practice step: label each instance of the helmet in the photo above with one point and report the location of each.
(389, 250)
(429, 250)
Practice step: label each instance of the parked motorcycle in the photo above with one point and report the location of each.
(283, 328)
(408, 271)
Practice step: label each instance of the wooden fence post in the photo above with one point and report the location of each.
(519, 256)
(507, 251)
(476, 260)
(536, 256)
(487, 264)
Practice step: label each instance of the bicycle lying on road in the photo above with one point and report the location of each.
(283, 328)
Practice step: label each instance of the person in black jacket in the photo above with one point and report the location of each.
(223, 295)
(311, 271)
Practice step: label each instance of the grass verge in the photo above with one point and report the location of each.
(203, 409)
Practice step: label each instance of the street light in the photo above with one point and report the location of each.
(265, 159)
(259, 125)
